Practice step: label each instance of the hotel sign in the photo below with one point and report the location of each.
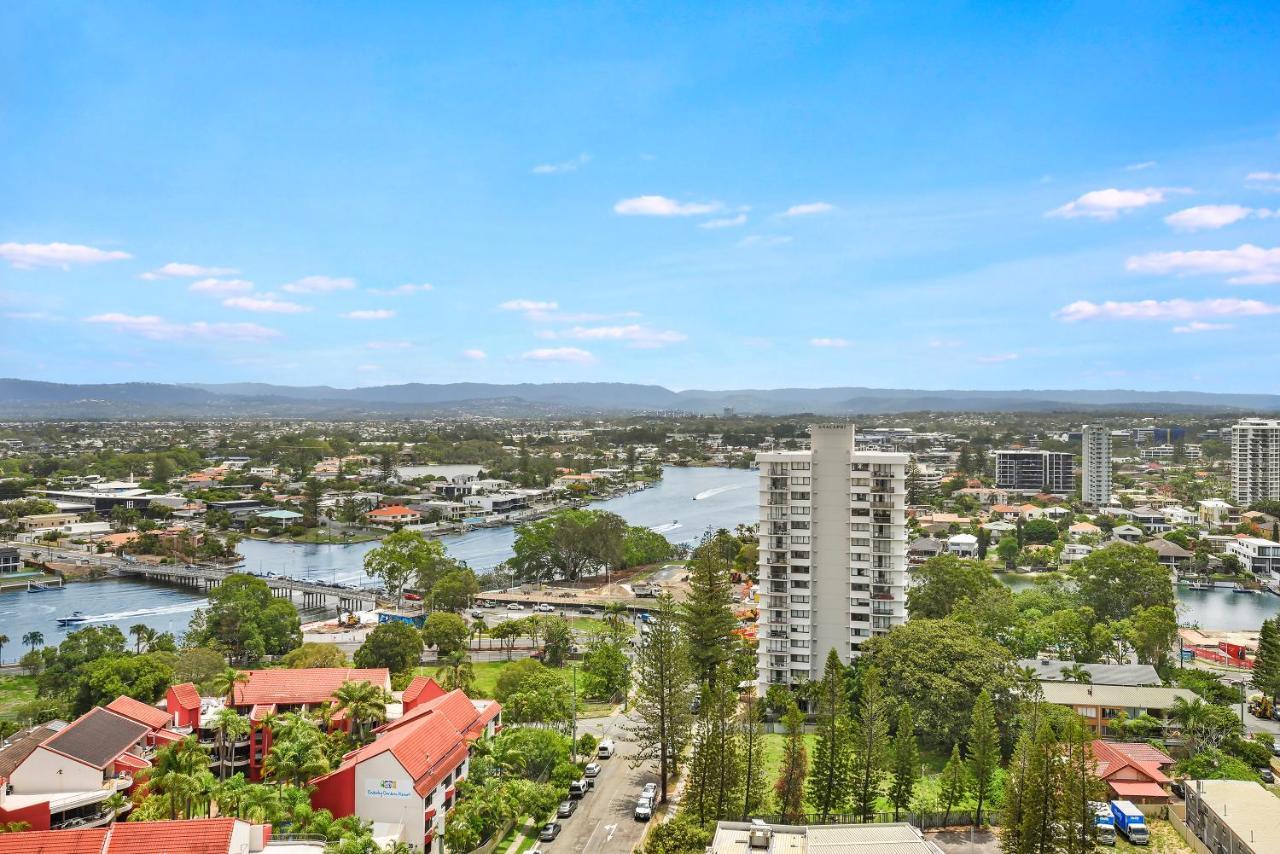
(389, 789)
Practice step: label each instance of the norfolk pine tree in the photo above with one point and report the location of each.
(1266, 670)
(954, 784)
(751, 739)
(829, 774)
(795, 765)
(707, 614)
(663, 693)
(984, 750)
(713, 791)
(870, 744)
(906, 762)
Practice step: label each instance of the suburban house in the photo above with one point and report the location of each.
(1261, 557)
(1171, 554)
(58, 775)
(1133, 771)
(395, 514)
(1072, 552)
(1127, 533)
(10, 560)
(920, 550)
(406, 780)
(1083, 529)
(1100, 704)
(963, 545)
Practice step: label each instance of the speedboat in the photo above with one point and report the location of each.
(76, 617)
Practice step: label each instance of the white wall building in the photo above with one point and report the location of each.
(833, 552)
(1262, 557)
(1096, 465)
(1255, 460)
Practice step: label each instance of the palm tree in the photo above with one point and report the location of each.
(230, 795)
(224, 684)
(231, 726)
(478, 627)
(1188, 716)
(142, 636)
(14, 827)
(455, 671)
(363, 702)
(116, 802)
(1076, 673)
(4, 639)
(295, 760)
(260, 803)
(33, 639)
(175, 771)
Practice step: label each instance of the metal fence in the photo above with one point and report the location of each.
(924, 821)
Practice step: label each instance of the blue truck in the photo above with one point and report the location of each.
(1130, 821)
(1104, 824)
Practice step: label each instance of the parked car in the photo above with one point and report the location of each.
(515, 606)
(605, 749)
(549, 831)
(475, 614)
(545, 607)
(566, 809)
(1176, 788)
(578, 789)
(592, 769)
(413, 597)
(644, 809)
(649, 791)
(1266, 775)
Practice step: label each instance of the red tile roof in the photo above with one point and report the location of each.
(430, 741)
(422, 688)
(199, 836)
(139, 711)
(187, 695)
(311, 685)
(1142, 752)
(133, 763)
(393, 510)
(1126, 789)
(53, 842)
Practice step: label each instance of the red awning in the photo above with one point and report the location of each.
(128, 760)
(1133, 789)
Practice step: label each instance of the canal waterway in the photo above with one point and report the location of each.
(682, 506)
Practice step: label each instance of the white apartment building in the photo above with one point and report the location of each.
(833, 552)
(1259, 556)
(1255, 460)
(1096, 466)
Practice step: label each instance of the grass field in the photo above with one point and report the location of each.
(486, 683)
(1164, 840)
(15, 691)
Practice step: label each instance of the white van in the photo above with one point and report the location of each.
(605, 750)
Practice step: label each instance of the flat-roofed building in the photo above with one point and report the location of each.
(740, 837)
(1233, 816)
(1099, 705)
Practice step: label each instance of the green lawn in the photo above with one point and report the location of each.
(486, 683)
(15, 691)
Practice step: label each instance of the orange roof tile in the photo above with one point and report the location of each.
(198, 836)
(422, 688)
(53, 841)
(393, 510)
(187, 695)
(310, 685)
(138, 711)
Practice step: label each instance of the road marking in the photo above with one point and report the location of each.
(611, 828)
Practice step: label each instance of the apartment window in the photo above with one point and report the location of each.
(860, 541)
(859, 526)
(800, 643)
(800, 541)
(799, 599)
(799, 496)
(799, 555)
(799, 584)
(800, 659)
(858, 496)
(800, 630)
(799, 615)
(800, 526)
(801, 481)
(800, 466)
(800, 510)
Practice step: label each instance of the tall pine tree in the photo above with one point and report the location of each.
(751, 739)
(1266, 668)
(789, 789)
(829, 775)
(906, 762)
(954, 784)
(984, 750)
(870, 744)
(663, 694)
(707, 613)
(714, 791)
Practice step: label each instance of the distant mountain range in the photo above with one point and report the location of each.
(30, 399)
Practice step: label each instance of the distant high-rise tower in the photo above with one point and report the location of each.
(833, 552)
(1096, 466)
(1255, 460)
(1029, 470)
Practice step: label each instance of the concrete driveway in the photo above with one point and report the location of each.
(966, 841)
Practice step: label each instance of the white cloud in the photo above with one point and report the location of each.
(158, 329)
(726, 222)
(220, 287)
(1201, 326)
(32, 315)
(174, 270)
(636, 336)
(830, 342)
(528, 305)
(1138, 167)
(266, 303)
(1174, 309)
(1110, 203)
(560, 168)
(941, 343)
(1202, 217)
(388, 345)
(809, 209)
(319, 285)
(998, 358)
(1266, 180)
(370, 314)
(663, 206)
(28, 256)
(475, 355)
(559, 354)
(1245, 265)
(764, 240)
(401, 290)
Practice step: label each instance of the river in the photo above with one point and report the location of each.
(682, 506)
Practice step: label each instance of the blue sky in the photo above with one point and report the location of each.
(972, 195)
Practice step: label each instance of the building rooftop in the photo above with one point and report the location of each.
(734, 837)
(1050, 670)
(1116, 696)
(1252, 813)
(21, 745)
(309, 685)
(135, 710)
(97, 737)
(198, 836)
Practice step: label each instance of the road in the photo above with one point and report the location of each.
(605, 819)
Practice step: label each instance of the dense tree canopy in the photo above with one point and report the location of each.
(941, 582)
(395, 646)
(246, 621)
(1117, 580)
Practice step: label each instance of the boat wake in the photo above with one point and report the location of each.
(707, 493)
(179, 608)
(665, 528)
